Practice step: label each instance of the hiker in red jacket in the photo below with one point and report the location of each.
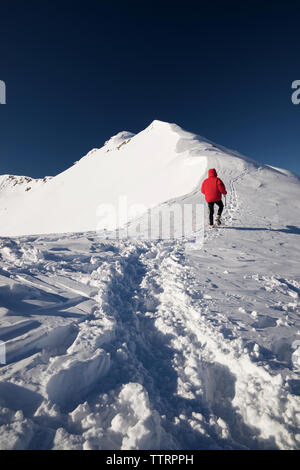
(213, 188)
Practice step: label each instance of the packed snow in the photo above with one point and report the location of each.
(150, 344)
(147, 169)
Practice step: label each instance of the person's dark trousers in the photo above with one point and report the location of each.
(211, 210)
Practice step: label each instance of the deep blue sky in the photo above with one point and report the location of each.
(78, 72)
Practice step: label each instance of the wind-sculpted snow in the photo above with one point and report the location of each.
(145, 168)
(123, 344)
(144, 346)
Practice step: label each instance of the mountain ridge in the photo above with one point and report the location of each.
(161, 163)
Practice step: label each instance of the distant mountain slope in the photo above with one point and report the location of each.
(12, 184)
(151, 344)
(161, 163)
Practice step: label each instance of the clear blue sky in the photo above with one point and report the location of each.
(78, 72)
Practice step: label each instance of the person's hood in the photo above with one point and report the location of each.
(212, 172)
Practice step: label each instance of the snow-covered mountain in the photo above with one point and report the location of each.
(148, 168)
(147, 344)
(14, 187)
(160, 163)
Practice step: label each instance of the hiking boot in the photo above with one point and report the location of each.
(211, 226)
(218, 220)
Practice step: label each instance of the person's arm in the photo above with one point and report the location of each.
(203, 187)
(221, 187)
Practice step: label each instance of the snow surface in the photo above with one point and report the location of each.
(140, 344)
(151, 167)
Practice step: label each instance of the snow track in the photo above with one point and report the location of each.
(218, 381)
(142, 365)
(145, 345)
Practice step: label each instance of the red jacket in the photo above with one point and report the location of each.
(213, 187)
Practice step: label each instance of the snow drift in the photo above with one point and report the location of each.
(148, 168)
(122, 344)
(161, 163)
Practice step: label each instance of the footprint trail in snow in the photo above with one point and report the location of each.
(120, 345)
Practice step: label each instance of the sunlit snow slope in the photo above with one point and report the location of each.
(151, 344)
(148, 168)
